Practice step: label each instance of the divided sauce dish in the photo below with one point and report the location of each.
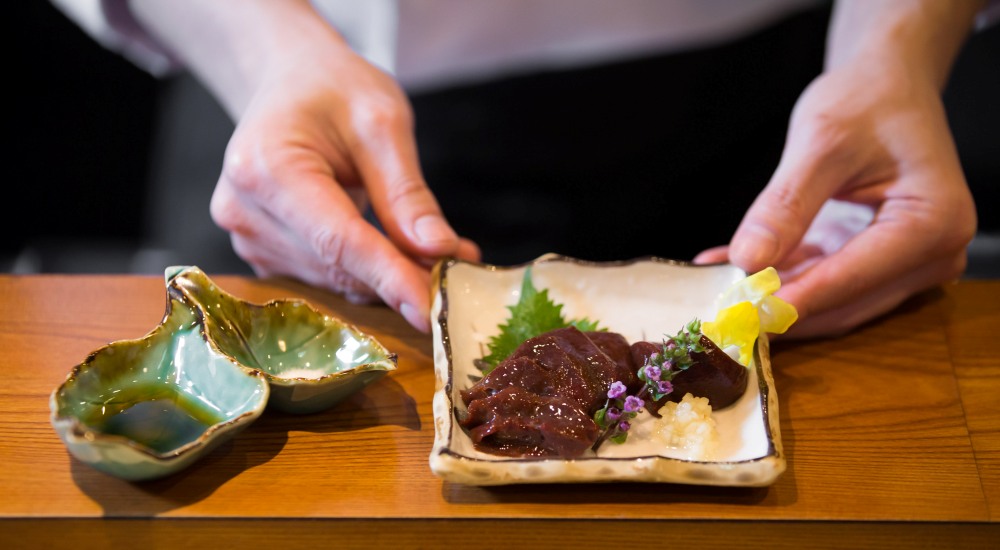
(146, 408)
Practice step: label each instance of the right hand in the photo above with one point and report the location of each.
(323, 133)
(876, 141)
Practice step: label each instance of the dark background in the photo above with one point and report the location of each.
(112, 170)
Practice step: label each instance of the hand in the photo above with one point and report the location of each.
(319, 133)
(880, 142)
(323, 133)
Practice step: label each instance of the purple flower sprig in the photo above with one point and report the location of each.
(614, 419)
(657, 373)
(673, 358)
(657, 379)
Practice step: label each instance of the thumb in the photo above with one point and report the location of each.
(782, 213)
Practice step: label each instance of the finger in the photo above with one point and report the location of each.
(386, 155)
(782, 213)
(877, 302)
(804, 253)
(468, 250)
(350, 245)
(800, 261)
(895, 255)
(271, 257)
(712, 255)
(272, 250)
(323, 217)
(272, 263)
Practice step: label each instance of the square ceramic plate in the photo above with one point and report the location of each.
(643, 299)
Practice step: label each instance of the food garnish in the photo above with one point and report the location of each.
(688, 427)
(747, 309)
(657, 374)
(534, 314)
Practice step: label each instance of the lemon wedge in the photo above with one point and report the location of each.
(748, 308)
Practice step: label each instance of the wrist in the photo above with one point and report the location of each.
(285, 35)
(234, 46)
(272, 42)
(915, 38)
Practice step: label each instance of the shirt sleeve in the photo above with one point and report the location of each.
(111, 24)
(988, 16)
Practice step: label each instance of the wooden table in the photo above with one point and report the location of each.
(892, 435)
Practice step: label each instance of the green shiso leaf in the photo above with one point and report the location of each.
(534, 314)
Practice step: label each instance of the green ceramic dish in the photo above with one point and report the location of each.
(146, 408)
(312, 361)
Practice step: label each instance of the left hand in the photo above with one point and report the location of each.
(876, 139)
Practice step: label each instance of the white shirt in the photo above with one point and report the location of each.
(433, 43)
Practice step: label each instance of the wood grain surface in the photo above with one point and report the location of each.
(892, 435)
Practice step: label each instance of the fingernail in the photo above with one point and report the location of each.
(755, 248)
(415, 317)
(432, 229)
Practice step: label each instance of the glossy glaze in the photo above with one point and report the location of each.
(312, 361)
(146, 408)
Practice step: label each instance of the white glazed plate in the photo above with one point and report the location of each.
(643, 299)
